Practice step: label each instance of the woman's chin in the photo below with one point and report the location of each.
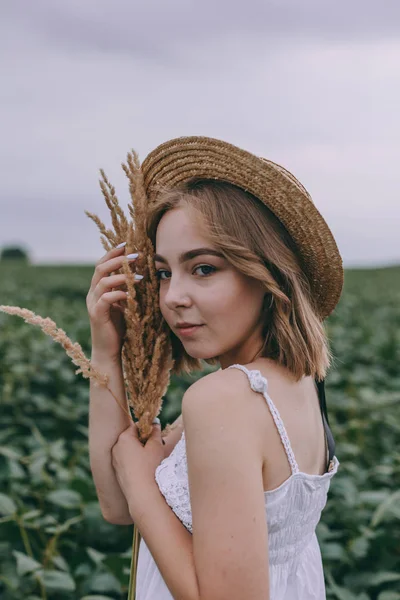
(199, 353)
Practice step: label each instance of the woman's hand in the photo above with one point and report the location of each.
(135, 464)
(106, 304)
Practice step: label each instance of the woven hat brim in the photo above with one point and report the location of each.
(181, 159)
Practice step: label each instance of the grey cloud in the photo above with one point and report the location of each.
(87, 80)
(154, 29)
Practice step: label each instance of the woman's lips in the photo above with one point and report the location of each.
(186, 331)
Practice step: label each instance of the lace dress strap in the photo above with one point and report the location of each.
(258, 383)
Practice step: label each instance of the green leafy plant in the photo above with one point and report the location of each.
(54, 543)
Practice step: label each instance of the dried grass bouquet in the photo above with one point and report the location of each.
(146, 351)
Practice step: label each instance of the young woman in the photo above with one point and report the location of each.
(248, 269)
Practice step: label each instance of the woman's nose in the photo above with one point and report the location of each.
(176, 293)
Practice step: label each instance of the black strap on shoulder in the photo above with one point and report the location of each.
(322, 403)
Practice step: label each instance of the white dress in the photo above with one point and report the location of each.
(292, 511)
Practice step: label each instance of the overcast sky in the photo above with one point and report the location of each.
(310, 84)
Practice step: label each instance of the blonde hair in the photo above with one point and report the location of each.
(293, 334)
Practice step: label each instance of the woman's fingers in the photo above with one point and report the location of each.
(113, 264)
(111, 254)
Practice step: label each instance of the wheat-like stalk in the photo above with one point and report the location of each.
(146, 352)
(73, 350)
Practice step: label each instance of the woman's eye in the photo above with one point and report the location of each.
(161, 271)
(206, 267)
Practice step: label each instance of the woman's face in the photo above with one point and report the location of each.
(206, 290)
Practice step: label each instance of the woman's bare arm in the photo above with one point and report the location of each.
(106, 422)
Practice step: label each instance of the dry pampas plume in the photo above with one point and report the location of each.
(146, 351)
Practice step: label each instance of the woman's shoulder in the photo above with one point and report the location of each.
(223, 392)
(235, 380)
(219, 381)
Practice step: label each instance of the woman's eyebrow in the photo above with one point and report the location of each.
(185, 256)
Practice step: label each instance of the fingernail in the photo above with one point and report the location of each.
(156, 421)
(132, 255)
(138, 277)
(121, 245)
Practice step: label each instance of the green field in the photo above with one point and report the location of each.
(54, 543)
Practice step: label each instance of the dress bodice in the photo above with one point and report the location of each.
(292, 510)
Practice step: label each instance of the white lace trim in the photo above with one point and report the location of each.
(258, 383)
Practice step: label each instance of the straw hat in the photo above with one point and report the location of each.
(180, 159)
